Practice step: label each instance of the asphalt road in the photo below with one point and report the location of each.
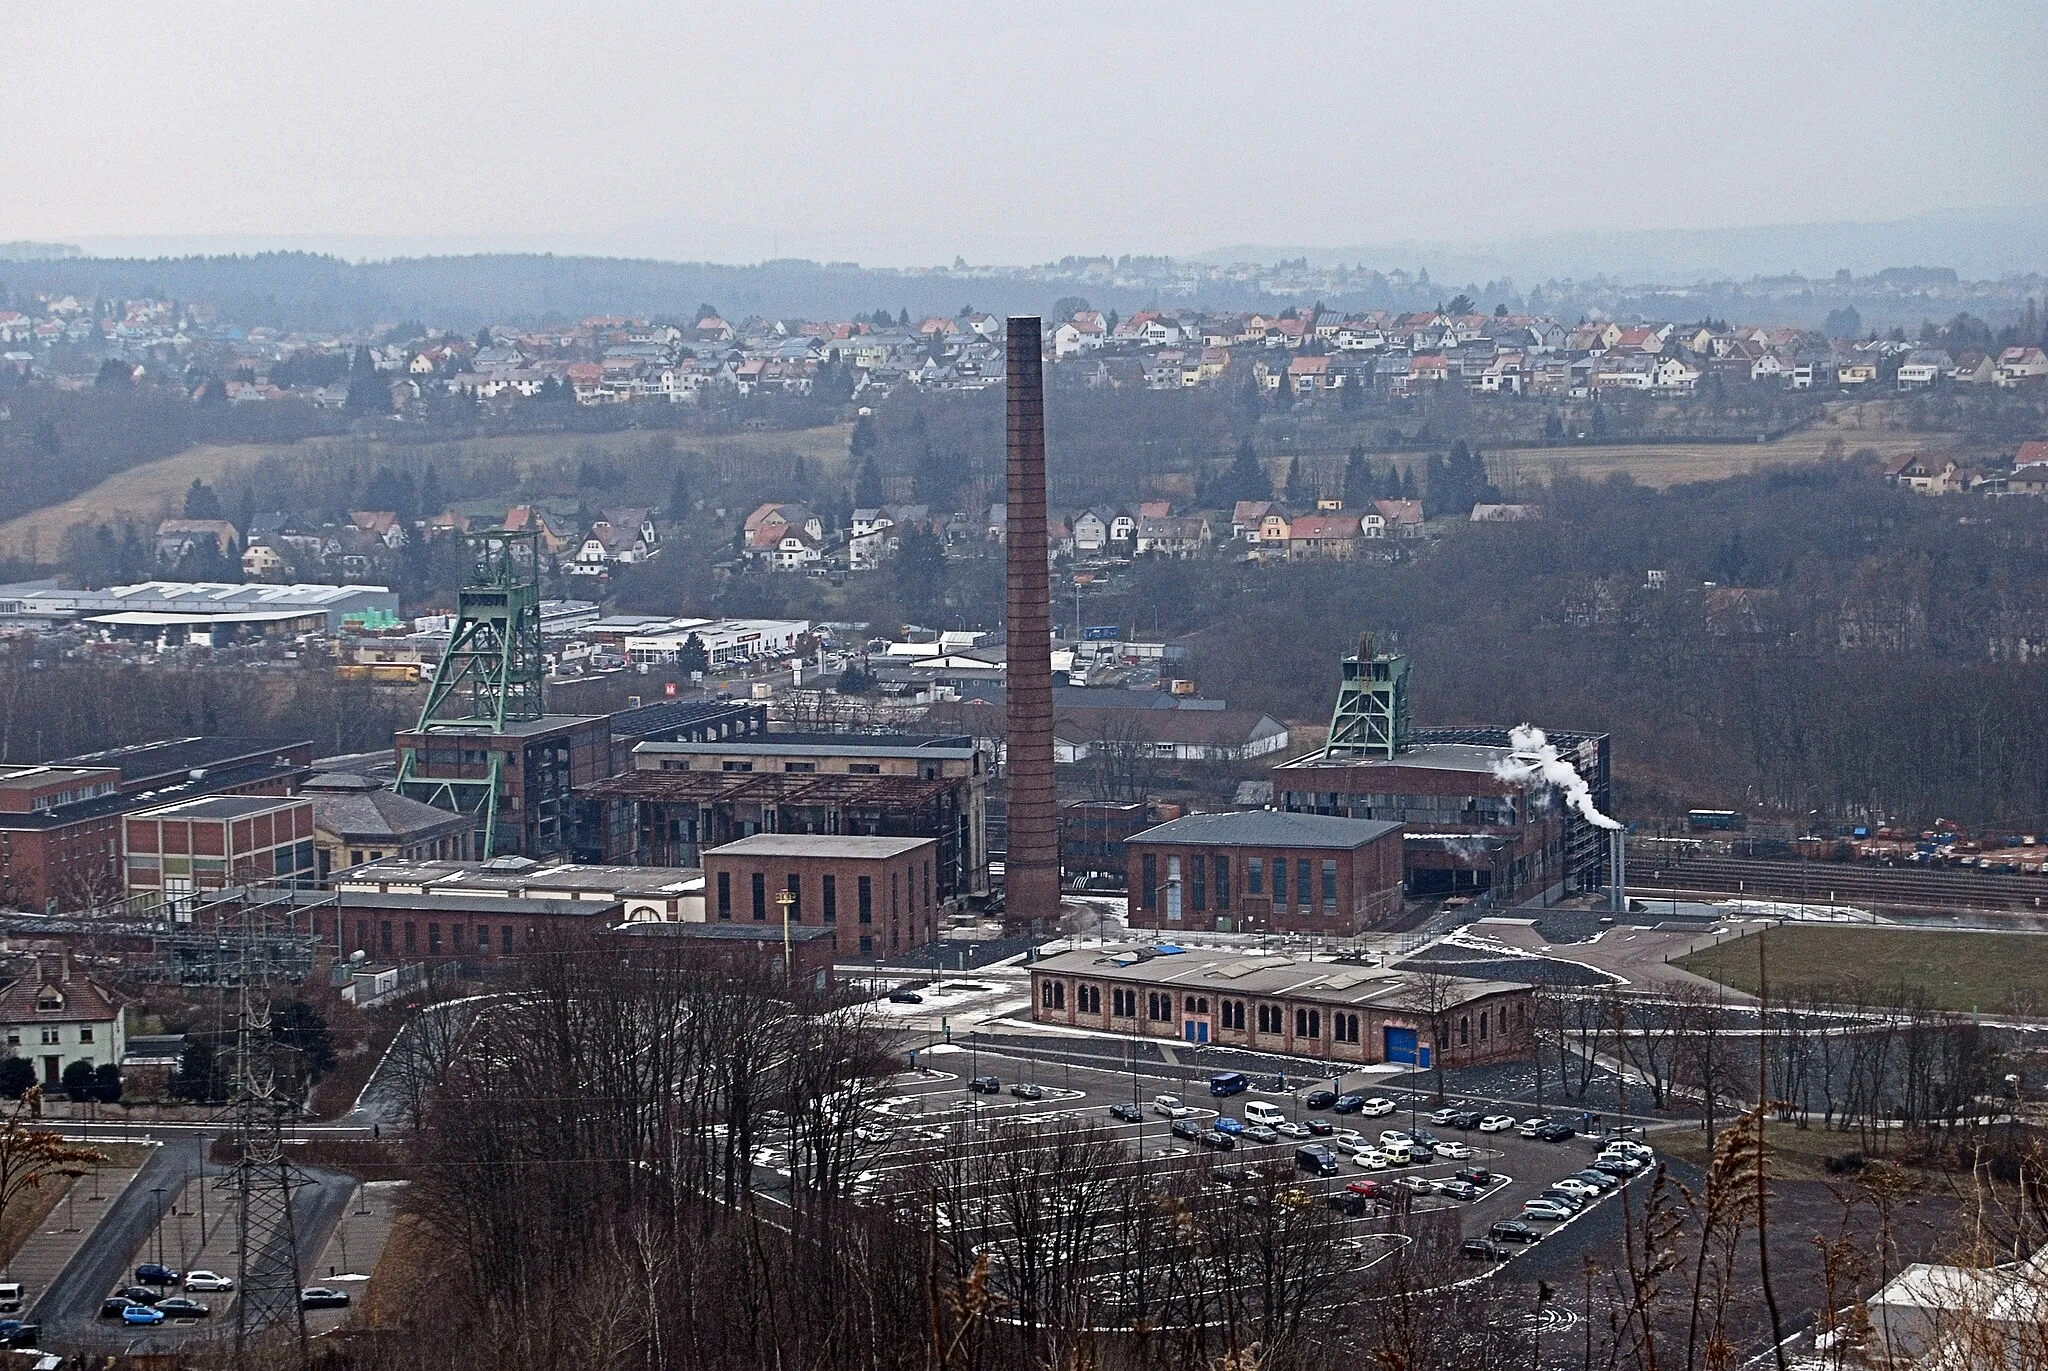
(69, 1308)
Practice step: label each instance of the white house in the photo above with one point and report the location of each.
(53, 1019)
(1923, 367)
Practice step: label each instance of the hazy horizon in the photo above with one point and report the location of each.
(902, 137)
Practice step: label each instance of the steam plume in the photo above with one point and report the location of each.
(1534, 759)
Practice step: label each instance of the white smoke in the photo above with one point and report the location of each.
(1534, 759)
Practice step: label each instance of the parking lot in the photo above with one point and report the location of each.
(925, 1111)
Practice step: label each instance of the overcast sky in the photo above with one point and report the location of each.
(906, 134)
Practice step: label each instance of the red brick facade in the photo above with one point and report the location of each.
(1241, 883)
(878, 896)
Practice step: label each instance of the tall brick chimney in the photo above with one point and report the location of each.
(1031, 879)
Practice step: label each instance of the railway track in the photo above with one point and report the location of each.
(1838, 883)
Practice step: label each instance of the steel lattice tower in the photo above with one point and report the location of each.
(1371, 717)
(489, 677)
(256, 942)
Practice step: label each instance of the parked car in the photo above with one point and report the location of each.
(1026, 1090)
(1458, 1190)
(140, 1313)
(1453, 1151)
(1189, 1129)
(1171, 1106)
(1513, 1230)
(1476, 1175)
(1599, 1180)
(1319, 1099)
(151, 1273)
(1394, 1137)
(1349, 1205)
(140, 1294)
(1217, 1142)
(1443, 1118)
(112, 1305)
(1259, 1133)
(1569, 1201)
(1371, 1190)
(1238, 1175)
(322, 1297)
(1529, 1128)
(1621, 1168)
(1126, 1113)
(10, 1297)
(1316, 1160)
(986, 1085)
(1548, 1211)
(1288, 1129)
(1371, 1159)
(1468, 1120)
(207, 1281)
(1496, 1123)
(178, 1307)
(1226, 1124)
(1229, 1083)
(1259, 1111)
(905, 997)
(1347, 1104)
(1557, 1132)
(1375, 1106)
(1421, 1185)
(1575, 1186)
(1483, 1249)
(17, 1333)
(1320, 1128)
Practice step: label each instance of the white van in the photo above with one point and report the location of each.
(1258, 1111)
(1397, 1153)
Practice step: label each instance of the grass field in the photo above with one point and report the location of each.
(142, 494)
(34, 1205)
(1670, 464)
(1961, 971)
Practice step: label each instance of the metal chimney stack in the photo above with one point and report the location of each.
(1031, 871)
(1617, 859)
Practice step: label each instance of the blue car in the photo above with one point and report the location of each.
(140, 1313)
(1226, 1124)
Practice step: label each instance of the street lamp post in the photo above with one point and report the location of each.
(786, 898)
(158, 1191)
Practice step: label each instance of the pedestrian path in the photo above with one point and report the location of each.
(48, 1250)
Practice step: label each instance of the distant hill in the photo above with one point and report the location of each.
(1978, 244)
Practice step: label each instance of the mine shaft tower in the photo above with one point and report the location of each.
(489, 678)
(1371, 717)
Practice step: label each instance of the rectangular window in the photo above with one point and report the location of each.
(505, 940)
(1303, 891)
(760, 897)
(927, 885)
(433, 937)
(1223, 886)
(864, 768)
(831, 904)
(384, 935)
(1280, 882)
(1148, 866)
(895, 904)
(1329, 884)
(1255, 876)
(796, 898)
(1198, 881)
(85, 1032)
(483, 937)
(50, 1036)
(725, 894)
(411, 942)
(866, 894)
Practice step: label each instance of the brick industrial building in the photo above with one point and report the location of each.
(1330, 1010)
(218, 841)
(683, 799)
(60, 822)
(877, 896)
(1468, 827)
(1263, 870)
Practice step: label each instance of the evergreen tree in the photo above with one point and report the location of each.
(1243, 479)
(431, 499)
(935, 479)
(678, 496)
(691, 656)
(919, 572)
(1358, 477)
(16, 1076)
(1405, 488)
(44, 437)
(861, 442)
(367, 393)
(1301, 491)
(867, 485)
(115, 372)
(201, 502)
(483, 339)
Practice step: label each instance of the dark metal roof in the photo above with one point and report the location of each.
(1268, 828)
(722, 932)
(771, 787)
(181, 755)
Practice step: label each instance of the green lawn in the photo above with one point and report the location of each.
(1993, 972)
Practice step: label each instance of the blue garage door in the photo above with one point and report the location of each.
(1401, 1045)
